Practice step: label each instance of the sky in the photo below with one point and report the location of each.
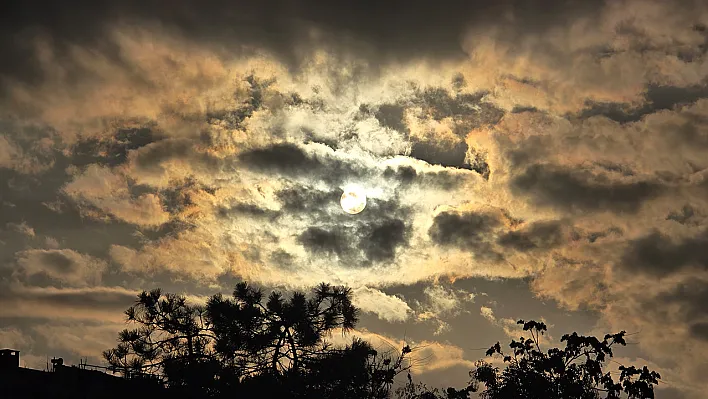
(539, 160)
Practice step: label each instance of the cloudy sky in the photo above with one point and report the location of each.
(521, 159)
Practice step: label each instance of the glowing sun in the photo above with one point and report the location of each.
(353, 200)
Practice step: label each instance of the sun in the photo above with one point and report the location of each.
(353, 200)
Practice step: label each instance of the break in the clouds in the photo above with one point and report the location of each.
(193, 146)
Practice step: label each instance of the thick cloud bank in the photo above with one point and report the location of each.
(192, 146)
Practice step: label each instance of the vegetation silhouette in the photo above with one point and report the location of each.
(242, 347)
(248, 346)
(573, 372)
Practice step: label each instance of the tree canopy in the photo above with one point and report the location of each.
(245, 344)
(248, 345)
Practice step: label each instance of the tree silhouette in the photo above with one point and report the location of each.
(241, 346)
(573, 372)
(282, 335)
(172, 340)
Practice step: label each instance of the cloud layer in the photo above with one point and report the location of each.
(494, 140)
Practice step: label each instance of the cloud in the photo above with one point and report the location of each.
(22, 228)
(542, 235)
(320, 240)
(444, 302)
(14, 338)
(184, 256)
(427, 355)
(468, 231)
(281, 158)
(95, 303)
(440, 304)
(381, 240)
(658, 254)
(28, 160)
(108, 191)
(189, 148)
(555, 186)
(386, 307)
(511, 329)
(63, 265)
(80, 339)
(8, 152)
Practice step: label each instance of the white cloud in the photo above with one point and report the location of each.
(446, 301)
(386, 307)
(426, 356)
(440, 303)
(511, 329)
(107, 190)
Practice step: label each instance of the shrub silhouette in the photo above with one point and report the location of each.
(573, 372)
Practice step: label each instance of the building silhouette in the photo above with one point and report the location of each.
(9, 358)
(76, 382)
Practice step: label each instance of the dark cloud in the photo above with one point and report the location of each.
(360, 244)
(596, 235)
(327, 241)
(478, 162)
(577, 189)
(624, 170)
(111, 151)
(660, 255)
(379, 243)
(691, 295)
(539, 235)
(468, 111)
(686, 302)
(467, 231)
(441, 153)
(391, 116)
(407, 175)
(234, 118)
(113, 300)
(531, 150)
(692, 131)
(57, 260)
(178, 197)
(286, 158)
(289, 160)
(305, 199)
(684, 216)
(404, 174)
(657, 98)
(699, 330)
(456, 155)
(380, 208)
(373, 236)
(520, 109)
(396, 30)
